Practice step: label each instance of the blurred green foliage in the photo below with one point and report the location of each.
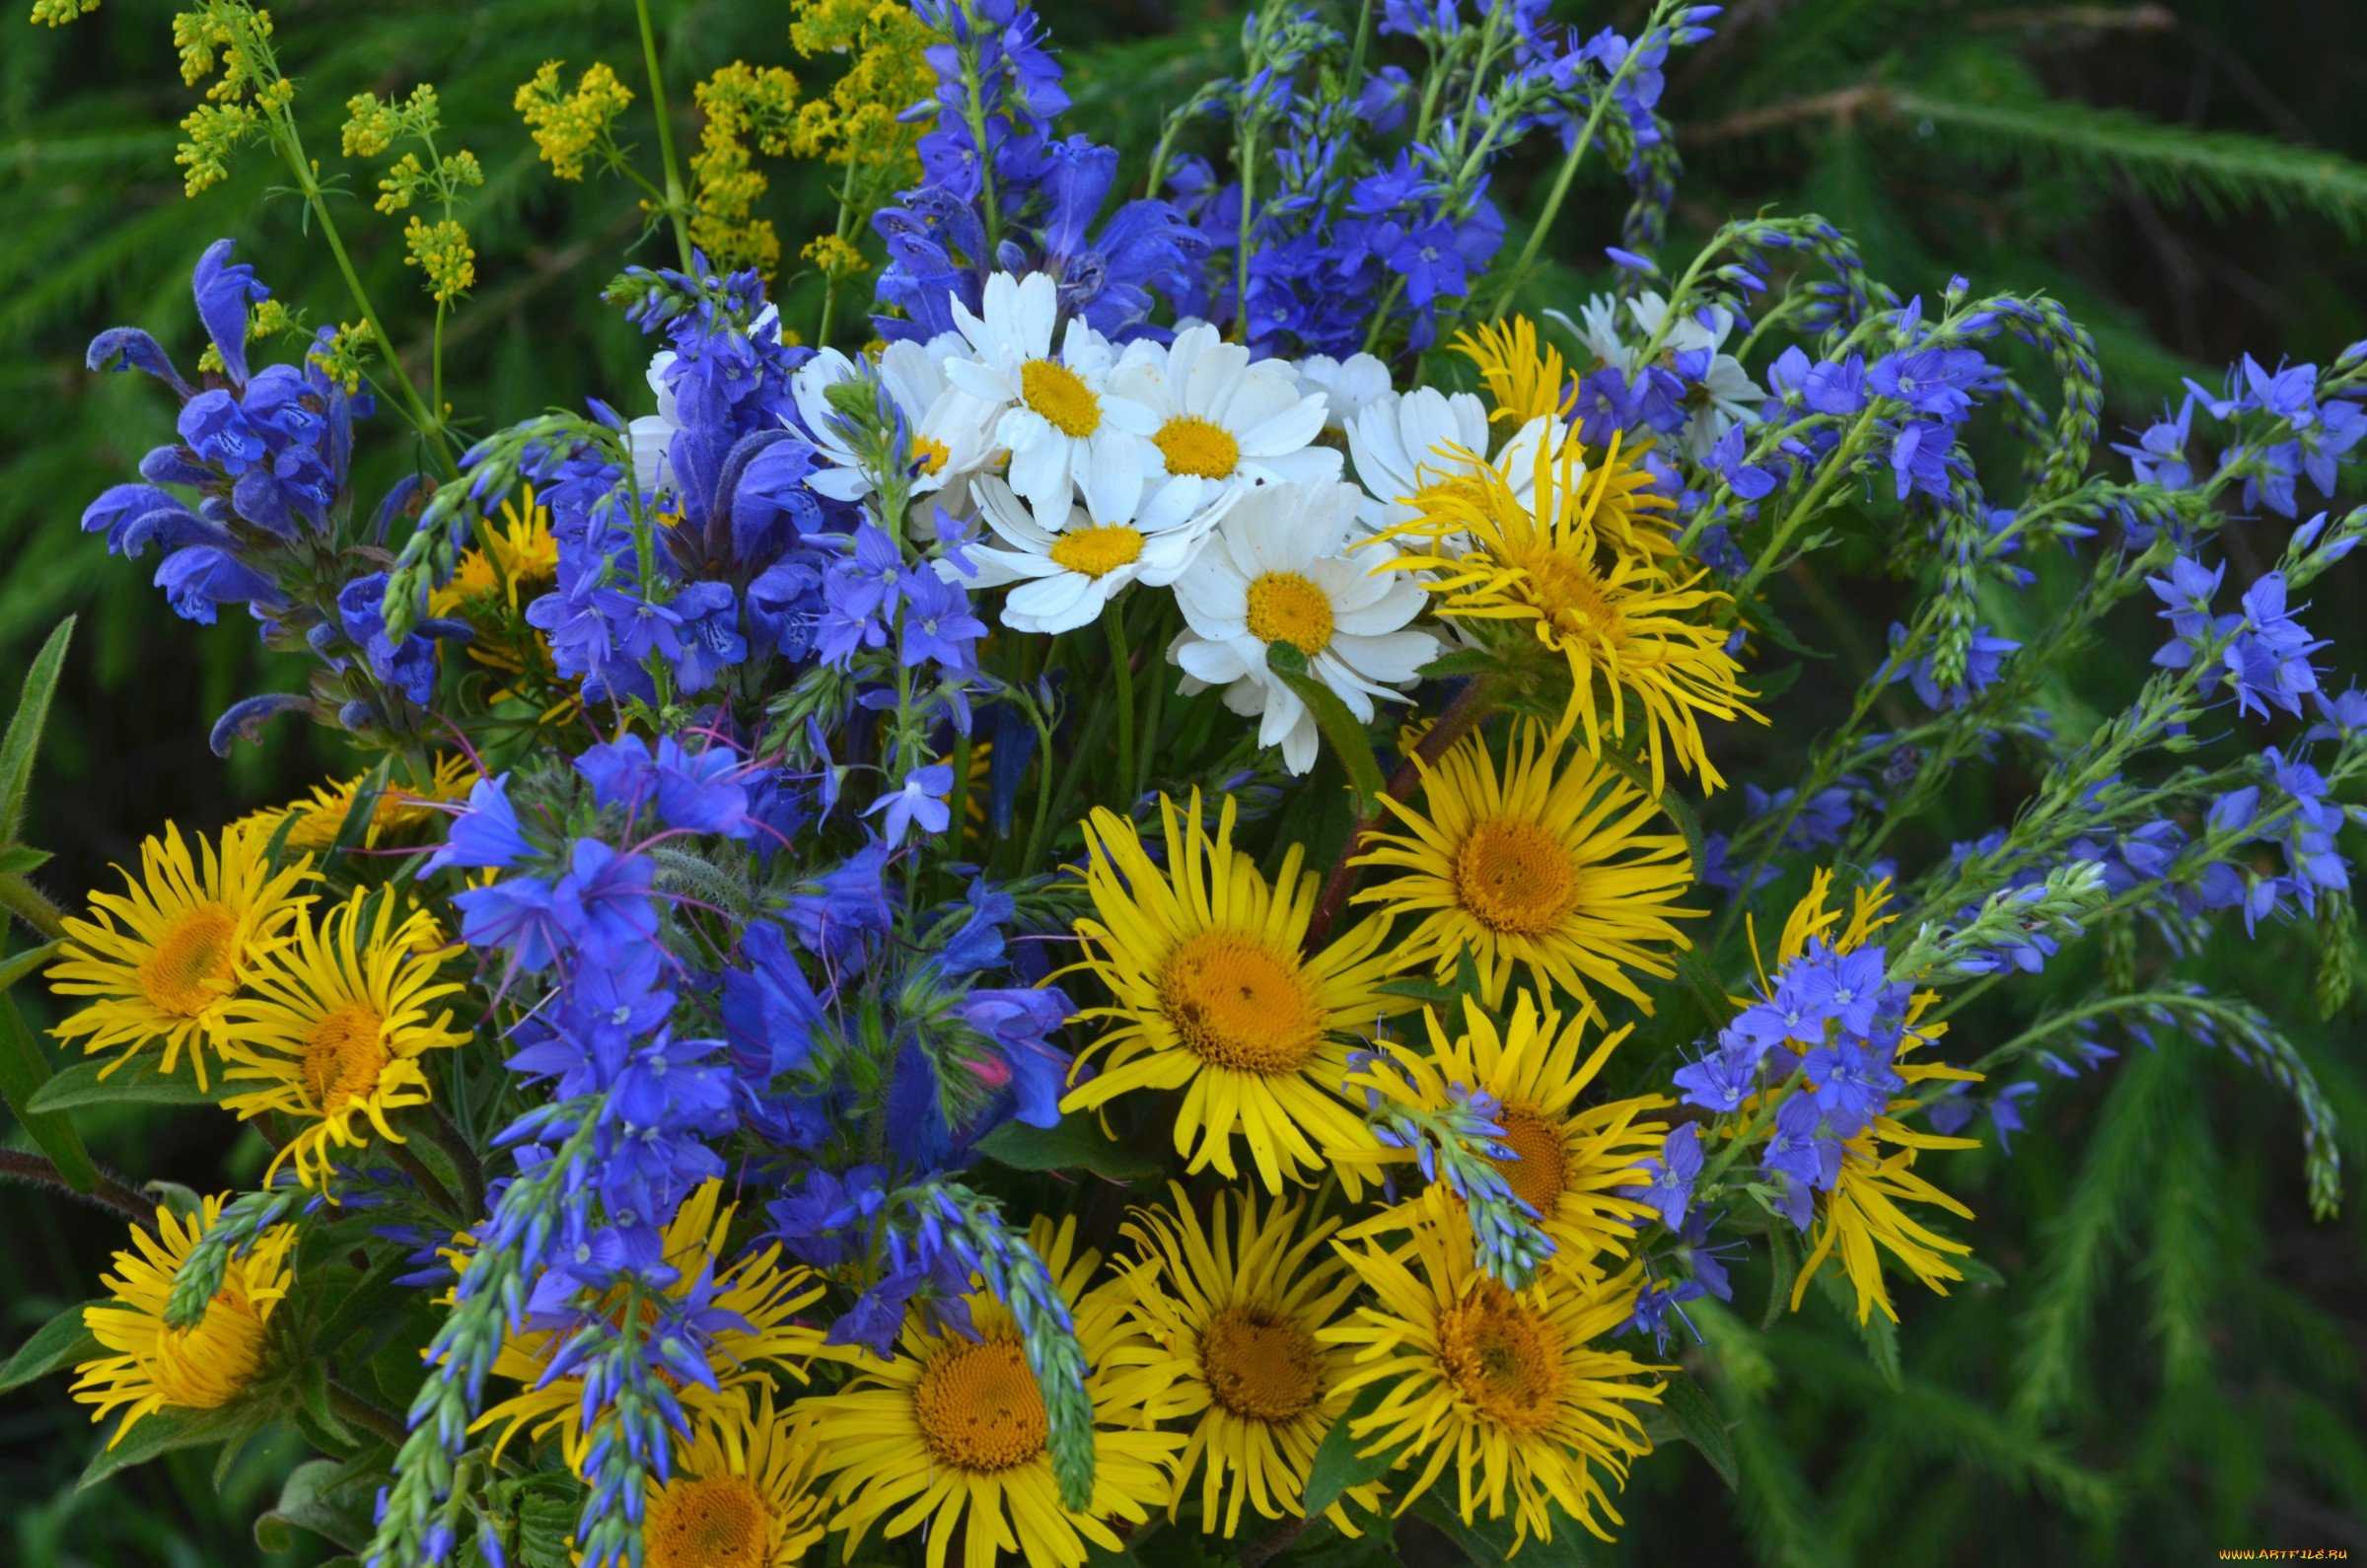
(2172, 1361)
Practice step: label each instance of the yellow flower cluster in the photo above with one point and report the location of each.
(341, 358)
(57, 13)
(440, 250)
(568, 126)
(746, 110)
(888, 71)
(442, 255)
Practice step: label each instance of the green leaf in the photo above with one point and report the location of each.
(1700, 1423)
(360, 1302)
(1878, 1335)
(17, 966)
(358, 814)
(1488, 1542)
(1342, 729)
(1338, 1466)
(1077, 1144)
(24, 734)
(20, 859)
(166, 1430)
(59, 1342)
(1784, 1260)
(24, 1074)
(133, 1085)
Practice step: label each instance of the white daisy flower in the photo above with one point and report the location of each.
(1401, 444)
(1224, 421)
(1276, 570)
(1069, 566)
(1348, 384)
(949, 426)
(1597, 328)
(1067, 432)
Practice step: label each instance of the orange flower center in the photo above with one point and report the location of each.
(979, 1408)
(1261, 1366)
(1502, 1356)
(1515, 878)
(1541, 1171)
(344, 1055)
(190, 968)
(716, 1521)
(1239, 1003)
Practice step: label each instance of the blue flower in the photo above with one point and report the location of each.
(517, 913)
(1673, 1173)
(484, 834)
(604, 902)
(919, 799)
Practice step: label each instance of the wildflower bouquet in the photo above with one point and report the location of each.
(1073, 895)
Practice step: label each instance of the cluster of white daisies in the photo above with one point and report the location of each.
(1184, 465)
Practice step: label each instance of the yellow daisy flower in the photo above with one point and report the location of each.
(1234, 1310)
(161, 958)
(1866, 1213)
(1572, 565)
(399, 809)
(515, 563)
(740, 1496)
(764, 1292)
(1212, 996)
(1508, 1390)
(1547, 864)
(155, 1367)
(331, 1031)
(1525, 376)
(1574, 1162)
(952, 1434)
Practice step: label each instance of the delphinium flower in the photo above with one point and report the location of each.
(1232, 1306)
(1210, 993)
(152, 1364)
(998, 181)
(1277, 572)
(1511, 1387)
(1577, 1168)
(952, 1431)
(160, 962)
(332, 1028)
(1556, 568)
(1547, 864)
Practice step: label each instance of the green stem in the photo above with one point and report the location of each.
(1568, 171)
(19, 897)
(1121, 661)
(829, 281)
(973, 110)
(1244, 165)
(675, 202)
(351, 1408)
(1833, 474)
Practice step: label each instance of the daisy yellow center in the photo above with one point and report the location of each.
(1261, 1366)
(1287, 607)
(1060, 394)
(1096, 551)
(207, 1365)
(979, 1408)
(718, 1522)
(1538, 1176)
(189, 967)
(343, 1056)
(1504, 1357)
(930, 454)
(1515, 878)
(1198, 447)
(1239, 1003)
